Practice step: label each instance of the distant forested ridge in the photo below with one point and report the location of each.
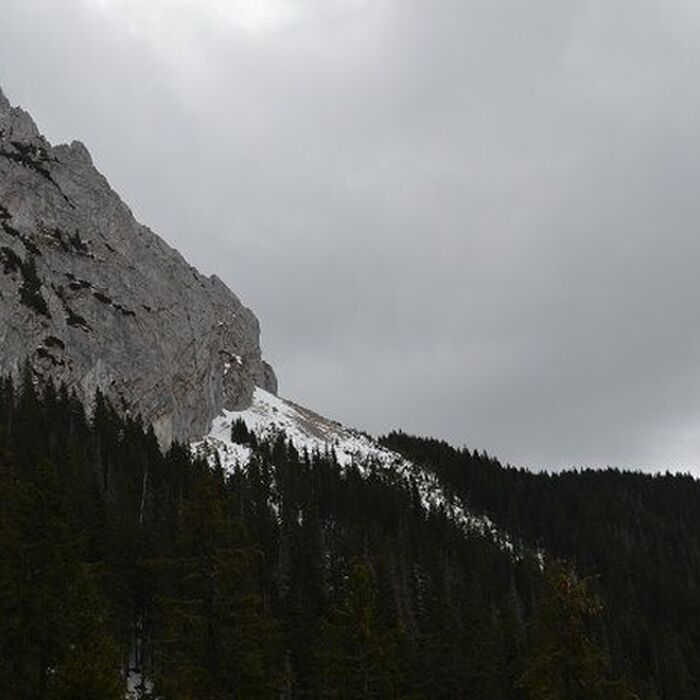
(296, 578)
(635, 536)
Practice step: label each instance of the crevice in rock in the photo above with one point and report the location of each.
(34, 158)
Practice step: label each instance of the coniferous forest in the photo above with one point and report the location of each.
(635, 537)
(296, 578)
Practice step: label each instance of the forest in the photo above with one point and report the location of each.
(634, 537)
(298, 578)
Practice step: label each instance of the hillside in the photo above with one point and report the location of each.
(635, 536)
(296, 576)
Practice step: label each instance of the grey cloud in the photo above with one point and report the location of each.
(471, 219)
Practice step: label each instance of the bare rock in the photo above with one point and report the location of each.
(90, 297)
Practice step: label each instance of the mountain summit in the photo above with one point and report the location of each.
(90, 297)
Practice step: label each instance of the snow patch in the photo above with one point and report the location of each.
(137, 686)
(227, 365)
(270, 415)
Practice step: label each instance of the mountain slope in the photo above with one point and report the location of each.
(296, 577)
(270, 416)
(90, 297)
(637, 536)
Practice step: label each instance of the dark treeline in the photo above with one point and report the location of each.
(637, 535)
(293, 579)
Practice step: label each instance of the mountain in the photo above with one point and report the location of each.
(270, 417)
(90, 297)
(287, 575)
(172, 528)
(635, 538)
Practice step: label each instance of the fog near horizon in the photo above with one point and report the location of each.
(475, 220)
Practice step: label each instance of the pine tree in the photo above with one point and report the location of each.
(214, 640)
(562, 661)
(356, 657)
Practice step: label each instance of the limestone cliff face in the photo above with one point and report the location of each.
(92, 298)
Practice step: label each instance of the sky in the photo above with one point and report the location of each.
(474, 219)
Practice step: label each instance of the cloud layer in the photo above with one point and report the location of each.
(471, 219)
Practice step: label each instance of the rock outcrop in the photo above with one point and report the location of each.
(90, 297)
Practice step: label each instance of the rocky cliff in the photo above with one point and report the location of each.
(92, 298)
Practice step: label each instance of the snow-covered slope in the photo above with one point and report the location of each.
(270, 415)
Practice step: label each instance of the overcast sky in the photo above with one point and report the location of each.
(476, 219)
